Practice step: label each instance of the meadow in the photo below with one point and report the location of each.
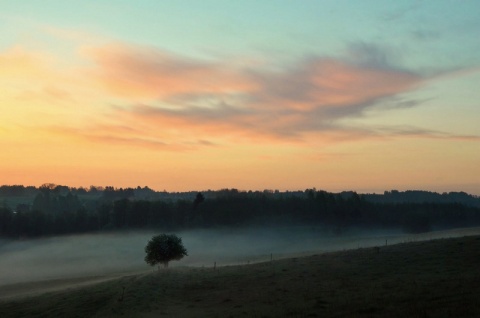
(432, 278)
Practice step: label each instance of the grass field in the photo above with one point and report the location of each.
(437, 278)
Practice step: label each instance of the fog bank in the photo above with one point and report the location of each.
(116, 253)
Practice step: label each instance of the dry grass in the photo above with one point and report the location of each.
(439, 278)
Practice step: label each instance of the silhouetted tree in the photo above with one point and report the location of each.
(198, 199)
(164, 248)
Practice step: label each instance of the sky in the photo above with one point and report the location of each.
(195, 95)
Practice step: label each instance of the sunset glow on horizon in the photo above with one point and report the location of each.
(338, 95)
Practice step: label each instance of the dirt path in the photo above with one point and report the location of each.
(19, 290)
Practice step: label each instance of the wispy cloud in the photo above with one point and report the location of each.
(401, 12)
(139, 72)
(312, 96)
(16, 62)
(153, 98)
(114, 135)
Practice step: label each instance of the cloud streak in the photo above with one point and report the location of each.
(163, 101)
(136, 72)
(314, 96)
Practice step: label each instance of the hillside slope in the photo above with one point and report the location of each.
(437, 278)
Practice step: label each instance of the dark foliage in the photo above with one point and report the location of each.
(54, 210)
(198, 199)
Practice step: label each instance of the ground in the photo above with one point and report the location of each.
(437, 278)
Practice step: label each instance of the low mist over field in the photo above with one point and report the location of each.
(116, 253)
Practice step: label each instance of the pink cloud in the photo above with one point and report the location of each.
(309, 97)
(326, 82)
(134, 72)
(174, 101)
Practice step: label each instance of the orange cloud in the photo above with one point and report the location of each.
(326, 82)
(151, 98)
(31, 75)
(16, 62)
(135, 72)
(211, 100)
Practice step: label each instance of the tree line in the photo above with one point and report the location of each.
(55, 212)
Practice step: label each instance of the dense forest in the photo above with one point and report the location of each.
(54, 210)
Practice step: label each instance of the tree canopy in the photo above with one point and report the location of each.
(28, 212)
(163, 248)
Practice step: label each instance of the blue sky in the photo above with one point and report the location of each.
(421, 34)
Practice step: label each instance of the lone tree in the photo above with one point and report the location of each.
(164, 248)
(198, 199)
